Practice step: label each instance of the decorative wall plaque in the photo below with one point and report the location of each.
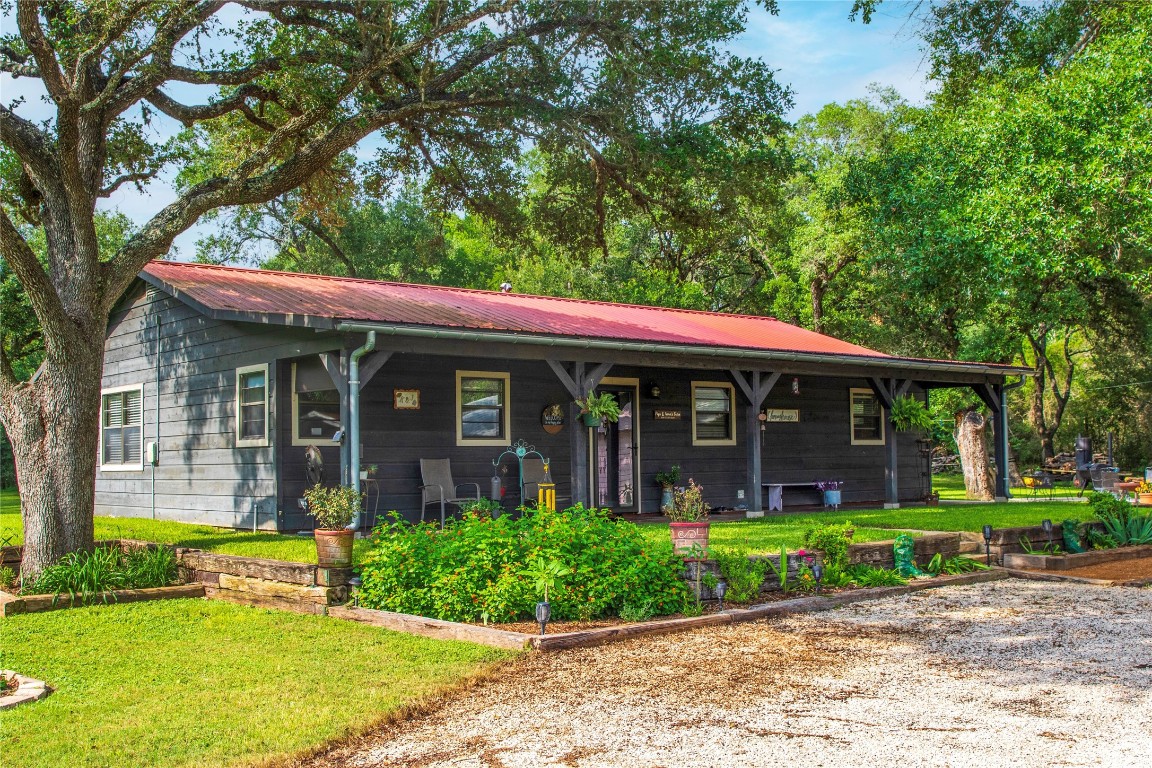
(781, 415)
(552, 419)
(667, 414)
(406, 399)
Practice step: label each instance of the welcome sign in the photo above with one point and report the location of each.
(782, 415)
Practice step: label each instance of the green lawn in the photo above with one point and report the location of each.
(209, 683)
(765, 534)
(275, 546)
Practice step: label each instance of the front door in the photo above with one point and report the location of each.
(614, 452)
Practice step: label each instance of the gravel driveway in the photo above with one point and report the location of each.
(1016, 673)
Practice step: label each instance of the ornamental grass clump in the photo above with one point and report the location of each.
(93, 574)
(473, 567)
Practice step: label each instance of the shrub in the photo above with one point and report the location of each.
(7, 579)
(832, 541)
(473, 566)
(868, 576)
(743, 574)
(333, 507)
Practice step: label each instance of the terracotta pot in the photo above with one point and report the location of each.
(334, 548)
(1145, 499)
(684, 535)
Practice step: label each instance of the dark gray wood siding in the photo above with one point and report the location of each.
(817, 448)
(186, 364)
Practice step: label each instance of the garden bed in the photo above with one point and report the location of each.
(11, 604)
(1080, 560)
(21, 689)
(499, 635)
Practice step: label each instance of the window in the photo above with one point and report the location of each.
(712, 422)
(315, 403)
(252, 405)
(867, 418)
(121, 428)
(481, 408)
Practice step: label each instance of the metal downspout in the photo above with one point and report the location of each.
(354, 417)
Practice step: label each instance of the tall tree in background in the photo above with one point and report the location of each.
(449, 88)
(1018, 208)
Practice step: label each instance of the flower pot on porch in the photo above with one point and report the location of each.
(334, 548)
(666, 499)
(832, 499)
(687, 535)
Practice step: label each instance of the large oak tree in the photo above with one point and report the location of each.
(448, 90)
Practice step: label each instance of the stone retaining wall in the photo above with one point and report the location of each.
(295, 587)
(878, 554)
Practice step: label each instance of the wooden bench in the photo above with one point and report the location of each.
(775, 493)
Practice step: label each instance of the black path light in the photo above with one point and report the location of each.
(988, 545)
(721, 589)
(354, 585)
(818, 574)
(543, 614)
(1047, 526)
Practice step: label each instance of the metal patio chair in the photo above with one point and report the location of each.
(437, 484)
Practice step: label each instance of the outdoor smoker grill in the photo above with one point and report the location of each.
(1084, 462)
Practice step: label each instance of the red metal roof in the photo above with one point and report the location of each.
(340, 299)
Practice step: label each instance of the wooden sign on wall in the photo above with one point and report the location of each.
(667, 414)
(552, 419)
(782, 415)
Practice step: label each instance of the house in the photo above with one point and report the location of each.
(217, 380)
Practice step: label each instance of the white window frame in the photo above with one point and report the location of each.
(254, 442)
(731, 439)
(852, 392)
(486, 442)
(296, 438)
(100, 447)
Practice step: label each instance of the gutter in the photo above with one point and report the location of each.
(567, 342)
(354, 417)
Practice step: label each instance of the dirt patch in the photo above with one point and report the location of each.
(1120, 570)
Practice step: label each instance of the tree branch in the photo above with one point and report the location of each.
(28, 19)
(31, 145)
(34, 280)
(126, 179)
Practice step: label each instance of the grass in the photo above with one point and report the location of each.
(274, 546)
(765, 534)
(210, 683)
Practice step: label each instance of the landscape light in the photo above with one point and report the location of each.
(1047, 526)
(721, 588)
(988, 545)
(818, 574)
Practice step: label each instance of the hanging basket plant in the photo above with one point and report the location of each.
(595, 409)
(909, 413)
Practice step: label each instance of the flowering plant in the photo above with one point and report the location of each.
(1144, 487)
(688, 505)
(829, 485)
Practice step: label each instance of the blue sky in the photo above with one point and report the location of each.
(811, 44)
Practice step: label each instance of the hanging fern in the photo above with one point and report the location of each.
(909, 413)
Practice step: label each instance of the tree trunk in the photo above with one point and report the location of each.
(972, 441)
(818, 288)
(52, 425)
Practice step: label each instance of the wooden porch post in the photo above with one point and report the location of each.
(994, 397)
(578, 382)
(887, 390)
(755, 389)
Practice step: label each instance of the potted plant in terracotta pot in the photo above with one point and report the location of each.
(667, 480)
(689, 516)
(333, 509)
(595, 409)
(1144, 494)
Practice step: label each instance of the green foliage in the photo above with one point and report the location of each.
(1049, 548)
(869, 576)
(473, 566)
(743, 574)
(105, 569)
(7, 579)
(483, 506)
(688, 504)
(544, 574)
(833, 542)
(909, 413)
(602, 406)
(1121, 522)
(668, 477)
(633, 612)
(333, 507)
(1100, 540)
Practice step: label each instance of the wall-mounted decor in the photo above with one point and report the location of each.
(552, 419)
(781, 415)
(667, 414)
(406, 399)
